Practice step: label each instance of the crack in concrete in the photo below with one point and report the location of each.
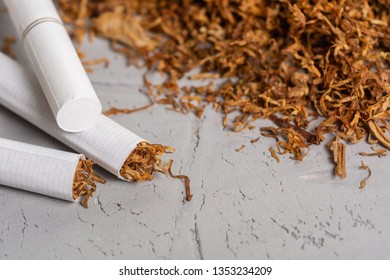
(198, 244)
(197, 141)
(76, 248)
(227, 240)
(203, 196)
(118, 205)
(101, 205)
(228, 162)
(228, 244)
(252, 231)
(156, 193)
(3, 230)
(194, 150)
(100, 248)
(25, 226)
(244, 196)
(153, 249)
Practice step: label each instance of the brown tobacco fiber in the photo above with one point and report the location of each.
(338, 150)
(363, 183)
(239, 149)
(116, 111)
(379, 152)
(85, 179)
(88, 63)
(145, 160)
(289, 61)
(273, 154)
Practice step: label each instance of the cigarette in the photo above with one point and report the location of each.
(50, 172)
(107, 143)
(69, 92)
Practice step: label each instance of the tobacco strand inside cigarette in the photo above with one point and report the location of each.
(85, 180)
(145, 159)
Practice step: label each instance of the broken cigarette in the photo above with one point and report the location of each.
(67, 88)
(46, 171)
(106, 142)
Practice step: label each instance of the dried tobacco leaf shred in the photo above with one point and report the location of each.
(310, 138)
(85, 179)
(338, 150)
(185, 179)
(239, 149)
(363, 183)
(273, 154)
(379, 134)
(87, 63)
(379, 152)
(298, 60)
(145, 159)
(116, 111)
(294, 143)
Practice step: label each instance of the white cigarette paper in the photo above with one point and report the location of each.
(55, 62)
(107, 143)
(37, 169)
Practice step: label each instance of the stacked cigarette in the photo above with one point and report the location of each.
(55, 62)
(46, 171)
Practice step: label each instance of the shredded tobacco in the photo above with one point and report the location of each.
(379, 134)
(145, 159)
(293, 143)
(85, 179)
(363, 183)
(379, 152)
(116, 111)
(239, 149)
(338, 150)
(273, 154)
(289, 61)
(185, 180)
(88, 63)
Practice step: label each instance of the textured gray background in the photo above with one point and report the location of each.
(245, 204)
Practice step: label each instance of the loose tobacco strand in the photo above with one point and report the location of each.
(339, 154)
(363, 183)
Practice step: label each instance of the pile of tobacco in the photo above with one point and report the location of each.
(292, 62)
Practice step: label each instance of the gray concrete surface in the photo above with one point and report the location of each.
(245, 205)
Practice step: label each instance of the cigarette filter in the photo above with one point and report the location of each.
(106, 142)
(68, 90)
(38, 169)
